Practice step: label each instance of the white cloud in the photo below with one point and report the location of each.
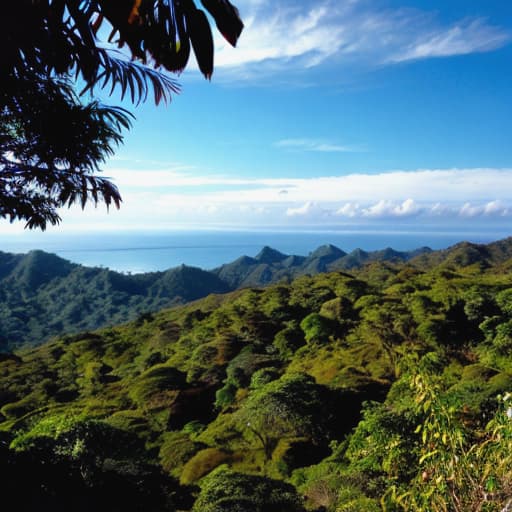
(285, 35)
(309, 209)
(496, 208)
(383, 208)
(467, 36)
(349, 210)
(282, 32)
(160, 199)
(425, 185)
(314, 145)
(169, 178)
(491, 209)
(168, 197)
(440, 210)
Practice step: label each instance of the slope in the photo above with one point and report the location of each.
(277, 388)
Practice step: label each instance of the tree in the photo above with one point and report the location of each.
(51, 145)
(391, 326)
(283, 408)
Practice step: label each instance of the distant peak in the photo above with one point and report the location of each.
(389, 252)
(269, 255)
(39, 257)
(327, 250)
(359, 252)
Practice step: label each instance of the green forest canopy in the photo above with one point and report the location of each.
(399, 401)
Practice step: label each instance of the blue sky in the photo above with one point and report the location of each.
(330, 113)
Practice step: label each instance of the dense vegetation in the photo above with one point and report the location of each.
(382, 388)
(42, 295)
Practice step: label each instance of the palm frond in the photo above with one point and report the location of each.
(51, 144)
(202, 40)
(227, 19)
(39, 174)
(133, 80)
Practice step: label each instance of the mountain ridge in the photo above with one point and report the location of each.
(43, 295)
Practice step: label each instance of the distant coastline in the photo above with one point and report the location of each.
(137, 252)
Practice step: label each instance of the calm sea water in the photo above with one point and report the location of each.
(149, 251)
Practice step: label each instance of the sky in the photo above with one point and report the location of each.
(328, 113)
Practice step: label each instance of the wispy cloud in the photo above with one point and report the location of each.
(467, 36)
(315, 145)
(287, 35)
(435, 185)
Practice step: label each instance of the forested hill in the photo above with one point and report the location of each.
(345, 391)
(42, 295)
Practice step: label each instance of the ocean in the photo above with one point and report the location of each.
(148, 251)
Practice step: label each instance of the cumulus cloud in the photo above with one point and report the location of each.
(349, 210)
(309, 209)
(491, 209)
(496, 208)
(409, 208)
(383, 208)
(285, 35)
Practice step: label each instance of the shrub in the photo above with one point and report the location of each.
(157, 379)
(202, 463)
(288, 340)
(225, 396)
(230, 491)
(317, 328)
(263, 376)
(177, 449)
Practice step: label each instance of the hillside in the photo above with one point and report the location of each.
(334, 392)
(43, 295)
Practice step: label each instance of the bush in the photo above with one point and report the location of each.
(177, 449)
(288, 340)
(202, 463)
(225, 396)
(353, 500)
(229, 491)
(339, 309)
(263, 376)
(317, 328)
(241, 367)
(158, 378)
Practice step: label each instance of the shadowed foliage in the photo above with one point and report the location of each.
(51, 145)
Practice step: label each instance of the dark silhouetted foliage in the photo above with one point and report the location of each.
(52, 145)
